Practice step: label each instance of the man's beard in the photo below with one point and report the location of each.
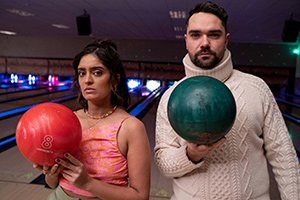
(199, 63)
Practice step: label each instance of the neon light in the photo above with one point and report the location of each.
(16, 78)
(7, 141)
(296, 51)
(12, 78)
(133, 83)
(152, 84)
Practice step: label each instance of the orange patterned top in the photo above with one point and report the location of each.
(101, 158)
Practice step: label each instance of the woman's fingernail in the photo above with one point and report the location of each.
(57, 160)
(66, 154)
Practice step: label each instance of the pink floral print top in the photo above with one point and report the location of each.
(101, 158)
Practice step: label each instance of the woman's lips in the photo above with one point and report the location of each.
(89, 90)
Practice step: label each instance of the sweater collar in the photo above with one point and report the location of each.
(221, 72)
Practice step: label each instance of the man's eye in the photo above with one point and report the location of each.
(195, 35)
(215, 36)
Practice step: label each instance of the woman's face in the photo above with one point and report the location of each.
(94, 80)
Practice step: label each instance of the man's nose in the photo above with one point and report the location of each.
(204, 42)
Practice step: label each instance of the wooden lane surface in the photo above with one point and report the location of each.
(22, 191)
(15, 168)
(161, 187)
(30, 101)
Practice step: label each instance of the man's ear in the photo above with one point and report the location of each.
(185, 38)
(226, 39)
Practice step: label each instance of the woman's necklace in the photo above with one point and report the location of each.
(99, 117)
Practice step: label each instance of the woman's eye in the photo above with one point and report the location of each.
(98, 73)
(81, 73)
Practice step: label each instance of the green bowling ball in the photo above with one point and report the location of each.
(201, 109)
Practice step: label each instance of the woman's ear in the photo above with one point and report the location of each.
(118, 77)
(116, 82)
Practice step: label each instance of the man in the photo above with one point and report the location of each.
(235, 167)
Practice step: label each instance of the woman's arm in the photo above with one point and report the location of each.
(133, 134)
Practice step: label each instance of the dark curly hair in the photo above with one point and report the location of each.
(106, 51)
(209, 7)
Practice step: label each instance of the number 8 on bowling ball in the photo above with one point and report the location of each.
(47, 131)
(201, 109)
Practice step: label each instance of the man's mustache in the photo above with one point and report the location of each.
(205, 51)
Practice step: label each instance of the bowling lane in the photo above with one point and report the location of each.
(11, 122)
(17, 179)
(292, 109)
(291, 98)
(294, 131)
(8, 88)
(16, 168)
(29, 101)
(16, 173)
(24, 93)
(22, 191)
(161, 187)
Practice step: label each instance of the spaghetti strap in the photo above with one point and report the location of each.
(125, 119)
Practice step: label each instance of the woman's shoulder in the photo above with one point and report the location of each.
(128, 120)
(130, 123)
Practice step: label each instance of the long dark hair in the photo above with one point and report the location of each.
(107, 53)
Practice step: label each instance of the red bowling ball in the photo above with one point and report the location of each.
(47, 131)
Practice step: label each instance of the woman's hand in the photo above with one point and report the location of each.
(48, 170)
(74, 171)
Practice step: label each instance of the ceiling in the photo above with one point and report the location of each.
(249, 20)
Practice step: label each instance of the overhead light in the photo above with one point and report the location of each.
(61, 26)
(8, 32)
(177, 14)
(20, 12)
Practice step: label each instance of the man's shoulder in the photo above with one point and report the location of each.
(249, 81)
(247, 76)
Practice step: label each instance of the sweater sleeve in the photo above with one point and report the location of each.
(170, 149)
(279, 148)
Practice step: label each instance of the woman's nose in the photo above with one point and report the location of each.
(88, 78)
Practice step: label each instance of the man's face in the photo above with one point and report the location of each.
(206, 40)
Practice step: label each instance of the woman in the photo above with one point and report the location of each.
(114, 157)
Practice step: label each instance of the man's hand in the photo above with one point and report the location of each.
(196, 152)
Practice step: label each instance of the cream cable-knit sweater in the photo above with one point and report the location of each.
(237, 170)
